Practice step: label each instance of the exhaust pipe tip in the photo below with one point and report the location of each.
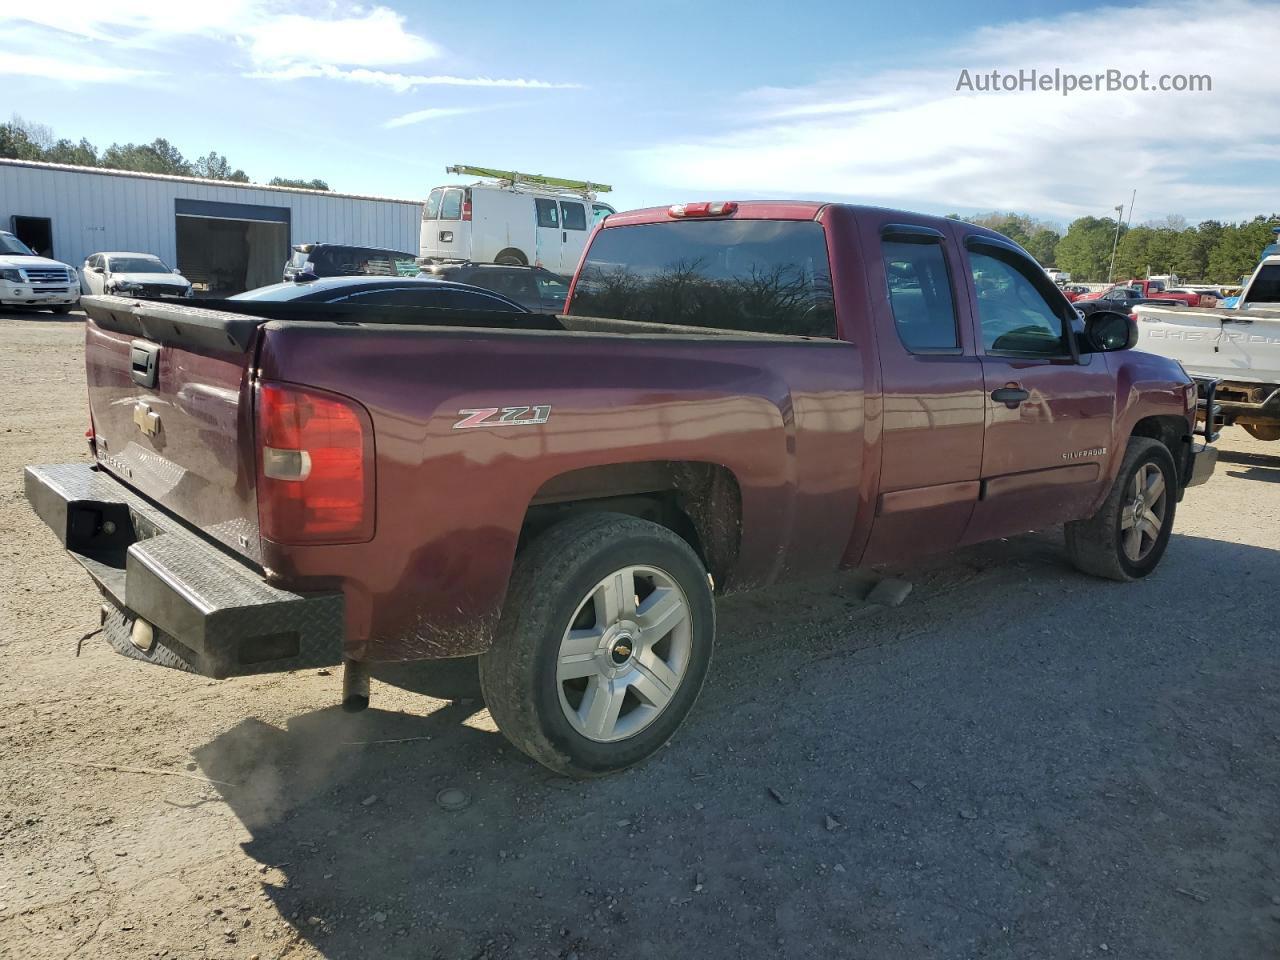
(355, 686)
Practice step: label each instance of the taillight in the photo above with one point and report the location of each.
(720, 208)
(315, 467)
(466, 205)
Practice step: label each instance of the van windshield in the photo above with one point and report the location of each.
(759, 276)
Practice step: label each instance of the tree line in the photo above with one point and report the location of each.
(24, 140)
(1210, 251)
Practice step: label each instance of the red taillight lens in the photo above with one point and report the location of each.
(315, 467)
(719, 208)
(466, 205)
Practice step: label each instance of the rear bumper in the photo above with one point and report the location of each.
(1238, 401)
(172, 597)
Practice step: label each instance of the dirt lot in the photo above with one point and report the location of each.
(1018, 762)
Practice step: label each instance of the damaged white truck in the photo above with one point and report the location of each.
(1233, 353)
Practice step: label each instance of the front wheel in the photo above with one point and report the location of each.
(603, 645)
(1128, 535)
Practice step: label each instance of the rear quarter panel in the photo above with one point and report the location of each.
(784, 416)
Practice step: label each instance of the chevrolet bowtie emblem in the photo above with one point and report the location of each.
(147, 420)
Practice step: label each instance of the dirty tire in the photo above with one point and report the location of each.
(550, 582)
(1095, 545)
(512, 257)
(1262, 431)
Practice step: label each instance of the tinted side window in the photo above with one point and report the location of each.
(920, 295)
(432, 210)
(548, 212)
(518, 285)
(1266, 287)
(451, 205)
(573, 215)
(427, 296)
(1015, 316)
(762, 276)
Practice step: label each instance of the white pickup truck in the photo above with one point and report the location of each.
(1238, 347)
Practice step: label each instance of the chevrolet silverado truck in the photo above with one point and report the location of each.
(735, 395)
(1233, 352)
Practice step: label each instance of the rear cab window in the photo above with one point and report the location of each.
(756, 276)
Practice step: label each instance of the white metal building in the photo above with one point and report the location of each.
(226, 237)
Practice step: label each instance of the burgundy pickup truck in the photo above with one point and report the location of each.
(737, 394)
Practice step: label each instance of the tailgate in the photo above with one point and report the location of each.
(1240, 345)
(168, 393)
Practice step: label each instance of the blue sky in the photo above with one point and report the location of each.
(675, 101)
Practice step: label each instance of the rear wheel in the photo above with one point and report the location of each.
(603, 645)
(1128, 535)
(512, 257)
(1263, 431)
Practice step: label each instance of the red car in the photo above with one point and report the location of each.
(737, 394)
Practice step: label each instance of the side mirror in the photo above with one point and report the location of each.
(1106, 331)
(177, 271)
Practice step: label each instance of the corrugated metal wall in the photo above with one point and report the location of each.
(98, 211)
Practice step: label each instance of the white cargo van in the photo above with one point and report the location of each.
(520, 219)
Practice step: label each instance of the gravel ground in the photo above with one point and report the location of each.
(1020, 761)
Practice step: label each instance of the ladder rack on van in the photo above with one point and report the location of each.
(533, 181)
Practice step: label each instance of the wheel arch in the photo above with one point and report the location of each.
(512, 253)
(1170, 430)
(699, 502)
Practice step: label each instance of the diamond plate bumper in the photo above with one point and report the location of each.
(211, 613)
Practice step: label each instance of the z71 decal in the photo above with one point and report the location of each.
(503, 417)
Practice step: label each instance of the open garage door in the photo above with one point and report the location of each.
(227, 248)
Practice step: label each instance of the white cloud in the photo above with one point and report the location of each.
(430, 113)
(68, 71)
(907, 137)
(402, 82)
(344, 34)
(368, 38)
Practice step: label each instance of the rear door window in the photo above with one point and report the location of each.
(599, 211)
(920, 295)
(548, 212)
(759, 276)
(432, 210)
(573, 215)
(451, 205)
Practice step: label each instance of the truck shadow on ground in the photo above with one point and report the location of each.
(947, 776)
(1258, 466)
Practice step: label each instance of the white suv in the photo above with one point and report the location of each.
(27, 280)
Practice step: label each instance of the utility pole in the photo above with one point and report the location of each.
(1116, 242)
